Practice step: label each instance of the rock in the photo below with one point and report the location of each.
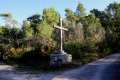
(60, 58)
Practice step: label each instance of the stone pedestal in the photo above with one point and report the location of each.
(60, 58)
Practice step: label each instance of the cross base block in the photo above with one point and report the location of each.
(60, 58)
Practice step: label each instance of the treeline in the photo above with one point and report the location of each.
(88, 36)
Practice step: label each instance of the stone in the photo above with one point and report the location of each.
(60, 58)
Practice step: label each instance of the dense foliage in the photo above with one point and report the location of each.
(88, 35)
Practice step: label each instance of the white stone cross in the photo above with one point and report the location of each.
(61, 28)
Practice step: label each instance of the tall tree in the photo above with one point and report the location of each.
(34, 18)
(45, 32)
(94, 29)
(8, 19)
(34, 21)
(13, 23)
(102, 16)
(113, 20)
(70, 15)
(27, 30)
(50, 16)
(96, 12)
(74, 33)
(6, 31)
(80, 12)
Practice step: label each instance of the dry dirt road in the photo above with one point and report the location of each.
(103, 69)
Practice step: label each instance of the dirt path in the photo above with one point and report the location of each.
(103, 69)
(9, 73)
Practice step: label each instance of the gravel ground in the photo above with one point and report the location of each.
(104, 69)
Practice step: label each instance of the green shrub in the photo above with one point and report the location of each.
(32, 57)
(73, 48)
(14, 54)
(89, 47)
(107, 51)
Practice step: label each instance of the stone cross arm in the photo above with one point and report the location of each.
(60, 28)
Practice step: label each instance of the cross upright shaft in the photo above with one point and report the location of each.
(61, 28)
(61, 34)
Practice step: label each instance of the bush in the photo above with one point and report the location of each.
(14, 54)
(90, 47)
(107, 51)
(32, 57)
(73, 48)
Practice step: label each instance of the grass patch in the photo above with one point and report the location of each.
(45, 68)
